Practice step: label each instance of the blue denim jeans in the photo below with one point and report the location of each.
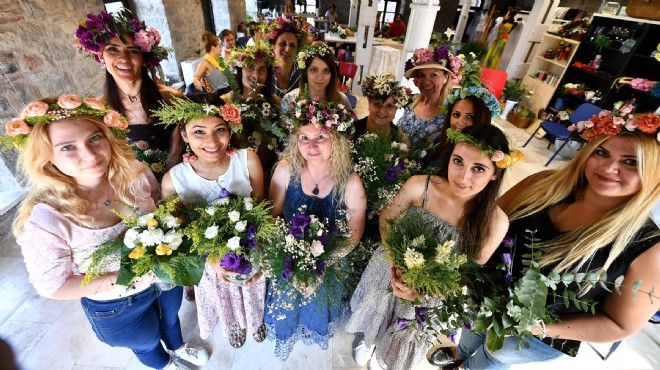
(139, 322)
(472, 347)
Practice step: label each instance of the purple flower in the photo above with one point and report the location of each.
(324, 239)
(287, 274)
(230, 261)
(300, 221)
(468, 326)
(508, 278)
(509, 241)
(288, 263)
(205, 255)
(297, 233)
(390, 174)
(506, 258)
(224, 193)
(399, 166)
(401, 323)
(452, 337)
(245, 267)
(248, 243)
(441, 53)
(251, 231)
(420, 316)
(320, 267)
(258, 55)
(409, 65)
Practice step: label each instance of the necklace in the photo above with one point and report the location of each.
(133, 98)
(107, 198)
(316, 190)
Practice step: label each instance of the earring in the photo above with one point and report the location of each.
(229, 150)
(189, 156)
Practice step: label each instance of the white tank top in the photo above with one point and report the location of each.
(191, 187)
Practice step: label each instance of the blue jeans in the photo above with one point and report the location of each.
(472, 347)
(139, 322)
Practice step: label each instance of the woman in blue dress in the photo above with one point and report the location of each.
(315, 172)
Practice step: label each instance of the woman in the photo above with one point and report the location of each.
(612, 184)
(209, 76)
(286, 34)
(127, 58)
(424, 117)
(385, 96)
(228, 42)
(316, 171)
(319, 78)
(461, 203)
(80, 172)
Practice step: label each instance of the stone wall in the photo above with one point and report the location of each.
(154, 15)
(186, 25)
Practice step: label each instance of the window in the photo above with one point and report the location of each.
(113, 6)
(387, 10)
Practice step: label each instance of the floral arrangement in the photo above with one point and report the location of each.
(620, 120)
(66, 106)
(184, 109)
(480, 92)
(95, 33)
(573, 89)
(328, 115)
(275, 27)
(230, 231)
(642, 84)
(466, 70)
(260, 118)
(154, 158)
(382, 87)
(312, 51)
(501, 159)
(153, 242)
(422, 56)
(246, 56)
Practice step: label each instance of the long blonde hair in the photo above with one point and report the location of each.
(46, 184)
(617, 227)
(340, 161)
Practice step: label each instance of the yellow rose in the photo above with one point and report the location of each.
(137, 252)
(152, 223)
(516, 156)
(163, 250)
(506, 162)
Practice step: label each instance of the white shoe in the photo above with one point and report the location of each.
(374, 365)
(196, 355)
(175, 365)
(362, 353)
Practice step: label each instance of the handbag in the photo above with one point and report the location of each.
(646, 9)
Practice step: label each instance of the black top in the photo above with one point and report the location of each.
(361, 129)
(545, 230)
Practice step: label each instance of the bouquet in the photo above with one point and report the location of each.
(230, 231)
(153, 242)
(260, 121)
(153, 158)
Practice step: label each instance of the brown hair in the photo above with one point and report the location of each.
(332, 90)
(210, 41)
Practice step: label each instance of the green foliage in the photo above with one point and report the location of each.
(515, 90)
(478, 48)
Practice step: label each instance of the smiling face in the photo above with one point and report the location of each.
(208, 138)
(469, 171)
(318, 75)
(228, 41)
(314, 144)
(430, 81)
(80, 149)
(123, 61)
(462, 115)
(382, 113)
(285, 47)
(612, 171)
(254, 76)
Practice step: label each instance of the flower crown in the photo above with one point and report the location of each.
(441, 56)
(95, 33)
(66, 106)
(620, 120)
(382, 87)
(328, 116)
(186, 110)
(247, 56)
(480, 92)
(312, 51)
(501, 159)
(275, 27)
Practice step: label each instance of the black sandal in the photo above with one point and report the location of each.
(443, 357)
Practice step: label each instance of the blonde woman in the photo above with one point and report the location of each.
(593, 215)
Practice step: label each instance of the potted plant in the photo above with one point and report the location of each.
(521, 117)
(514, 91)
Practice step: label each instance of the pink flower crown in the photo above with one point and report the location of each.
(441, 58)
(66, 106)
(275, 27)
(620, 120)
(327, 116)
(95, 33)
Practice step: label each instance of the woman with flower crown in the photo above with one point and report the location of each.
(431, 70)
(461, 204)
(286, 35)
(210, 68)
(129, 50)
(611, 186)
(80, 172)
(316, 172)
(204, 161)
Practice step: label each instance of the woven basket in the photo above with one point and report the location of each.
(646, 9)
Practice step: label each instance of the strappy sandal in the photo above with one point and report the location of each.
(237, 336)
(260, 335)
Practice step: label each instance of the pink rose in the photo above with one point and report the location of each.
(230, 113)
(627, 108)
(155, 34)
(424, 56)
(142, 39)
(497, 156)
(618, 121)
(604, 113)
(454, 63)
(69, 101)
(631, 124)
(94, 103)
(35, 109)
(571, 128)
(114, 119)
(456, 79)
(17, 127)
(142, 145)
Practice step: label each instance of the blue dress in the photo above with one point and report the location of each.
(419, 130)
(315, 322)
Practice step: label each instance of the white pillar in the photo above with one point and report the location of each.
(364, 37)
(420, 28)
(353, 13)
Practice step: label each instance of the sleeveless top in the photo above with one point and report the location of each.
(191, 187)
(320, 207)
(541, 222)
(361, 129)
(216, 79)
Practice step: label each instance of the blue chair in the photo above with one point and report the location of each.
(351, 99)
(560, 131)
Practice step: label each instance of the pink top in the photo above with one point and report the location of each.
(55, 247)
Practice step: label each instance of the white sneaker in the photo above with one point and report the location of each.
(175, 365)
(196, 355)
(362, 353)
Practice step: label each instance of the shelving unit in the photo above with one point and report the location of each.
(615, 64)
(543, 91)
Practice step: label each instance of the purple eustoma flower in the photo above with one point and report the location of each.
(441, 53)
(300, 221)
(245, 267)
(452, 337)
(509, 241)
(324, 239)
(401, 323)
(288, 263)
(297, 233)
(508, 278)
(399, 166)
(251, 231)
(286, 275)
(468, 326)
(320, 267)
(230, 261)
(420, 316)
(506, 258)
(224, 193)
(390, 174)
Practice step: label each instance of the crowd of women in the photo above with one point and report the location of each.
(593, 214)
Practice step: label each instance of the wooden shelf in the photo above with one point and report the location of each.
(553, 61)
(570, 41)
(602, 77)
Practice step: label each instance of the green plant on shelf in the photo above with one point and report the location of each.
(602, 41)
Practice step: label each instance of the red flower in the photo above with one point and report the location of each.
(649, 123)
(231, 114)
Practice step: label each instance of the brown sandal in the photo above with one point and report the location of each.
(237, 336)
(260, 335)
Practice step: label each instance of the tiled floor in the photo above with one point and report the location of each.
(49, 334)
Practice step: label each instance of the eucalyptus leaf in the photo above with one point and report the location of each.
(494, 342)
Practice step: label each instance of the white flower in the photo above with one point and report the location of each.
(173, 238)
(234, 243)
(289, 239)
(222, 201)
(151, 237)
(248, 204)
(413, 258)
(317, 248)
(265, 105)
(142, 221)
(234, 216)
(443, 251)
(403, 147)
(240, 226)
(130, 237)
(171, 222)
(210, 210)
(211, 232)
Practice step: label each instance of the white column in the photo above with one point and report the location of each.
(364, 37)
(353, 13)
(462, 21)
(420, 28)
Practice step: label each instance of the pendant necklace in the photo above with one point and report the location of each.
(316, 190)
(133, 98)
(107, 199)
